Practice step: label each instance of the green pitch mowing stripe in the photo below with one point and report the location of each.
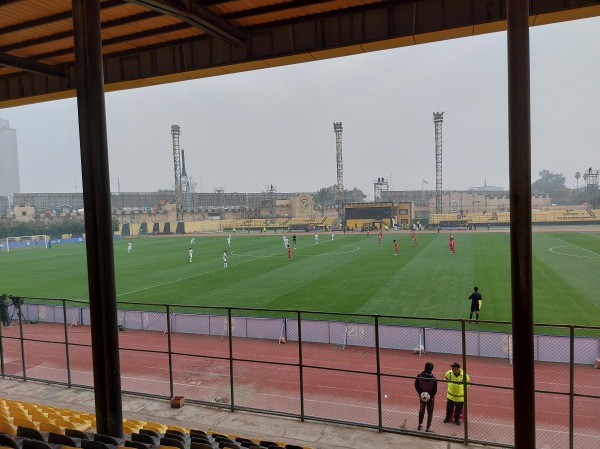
(351, 274)
(567, 278)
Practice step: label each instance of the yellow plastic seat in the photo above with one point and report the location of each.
(71, 425)
(88, 417)
(41, 419)
(179, 429)
(65, 412)
(130, 428)
(157, 427)
(13, 402)
(21, 415)
(55, 416)
(8, 428)
(7, 419)
(24, 423)
(167, 447)
(50, 427)
(75, 419)
(134, 421)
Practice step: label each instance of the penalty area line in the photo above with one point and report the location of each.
(596, 255)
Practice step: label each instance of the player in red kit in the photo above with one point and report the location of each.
(395, 247)
(290, 253)
(452, 251)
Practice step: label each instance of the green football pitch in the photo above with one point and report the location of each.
(349, 274)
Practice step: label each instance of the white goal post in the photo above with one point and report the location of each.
(9, 244)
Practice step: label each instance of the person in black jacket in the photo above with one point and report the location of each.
(475, 304)
(426, 382)
(4, 311)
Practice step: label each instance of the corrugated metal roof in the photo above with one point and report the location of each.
(194, 38)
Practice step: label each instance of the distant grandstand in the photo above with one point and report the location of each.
(556, 216)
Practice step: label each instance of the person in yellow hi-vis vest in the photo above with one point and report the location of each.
(456, 392)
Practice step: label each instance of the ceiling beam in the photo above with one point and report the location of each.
(53, 18)
(189, 11)
(278, 7)
(31, 66)
(68, 34)
(119, 39)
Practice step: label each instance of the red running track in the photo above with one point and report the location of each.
(201, 371)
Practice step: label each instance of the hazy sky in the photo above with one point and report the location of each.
(275, 126)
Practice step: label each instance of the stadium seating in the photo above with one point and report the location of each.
(51, 427)
(494, 217)
(32, 426)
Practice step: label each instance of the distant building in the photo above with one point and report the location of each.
(461, 202)
(9, 160)
(3, 206)
(378, 215)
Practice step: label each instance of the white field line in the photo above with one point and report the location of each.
(552, 250)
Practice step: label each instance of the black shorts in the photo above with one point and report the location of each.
(475, 307)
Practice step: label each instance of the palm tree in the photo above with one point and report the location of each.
(577, 176)
(324, 196)
(585, 177)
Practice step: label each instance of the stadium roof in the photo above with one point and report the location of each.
(147, 42)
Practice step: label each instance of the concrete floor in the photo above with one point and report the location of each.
(288, 430)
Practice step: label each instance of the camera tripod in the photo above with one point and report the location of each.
(19, 310)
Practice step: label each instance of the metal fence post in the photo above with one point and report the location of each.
(170, 349)
(378, 362)
(571, 383)
(465, 384)
(20, 312)
(300, 366)
(64, 304)
(229, 327)
(1, 352)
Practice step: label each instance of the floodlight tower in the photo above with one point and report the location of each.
(380, 185)
(592, 178)
(272, 201)
(438, 118)
(337, 127)
(175, 132)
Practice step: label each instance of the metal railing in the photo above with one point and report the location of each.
(343, 368)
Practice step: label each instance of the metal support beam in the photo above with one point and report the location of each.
(340, 195)
(175, 133)
(98, 219)
(519, 155)
(197, 15)
(30, 65)
(438, 119)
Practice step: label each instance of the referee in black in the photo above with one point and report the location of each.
(475, 298)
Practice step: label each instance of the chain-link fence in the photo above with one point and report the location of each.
(352, 369)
